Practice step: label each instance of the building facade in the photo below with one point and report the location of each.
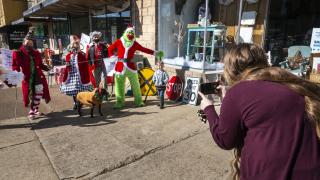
(10, 10)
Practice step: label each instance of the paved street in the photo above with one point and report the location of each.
(132, 143)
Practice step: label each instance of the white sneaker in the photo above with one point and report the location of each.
(38, 113)
(32, 117)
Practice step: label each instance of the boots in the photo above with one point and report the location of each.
(75, 105)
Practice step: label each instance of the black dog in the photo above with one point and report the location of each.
(91, 99)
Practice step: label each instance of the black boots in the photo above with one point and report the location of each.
(75, 105)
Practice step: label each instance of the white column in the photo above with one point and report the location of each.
(239, 22)
(205, 36)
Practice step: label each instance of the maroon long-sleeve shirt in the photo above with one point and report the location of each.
(269, 121)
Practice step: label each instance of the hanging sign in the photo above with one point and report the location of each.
(174, 88)
(248, 18)
(246, 34)
(6, 56)
(315, 40)
(190, 92)
(225, 2)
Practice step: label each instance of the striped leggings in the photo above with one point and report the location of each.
(35, 101)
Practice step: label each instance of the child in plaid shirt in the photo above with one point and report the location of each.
(160, 79)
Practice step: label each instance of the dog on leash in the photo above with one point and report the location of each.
(91, 99)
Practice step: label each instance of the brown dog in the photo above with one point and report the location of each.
(91, 99)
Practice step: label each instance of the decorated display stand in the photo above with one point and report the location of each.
(315, 56)
(315, 68)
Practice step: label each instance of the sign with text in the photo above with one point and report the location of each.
(6, 56)
(109, 63)
(84, 41)
(174, 88)
(315, 40)
(190, 92)
(15, 35)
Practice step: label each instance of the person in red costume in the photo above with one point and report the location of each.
(95, 53)
(34, 84)
(76, 76)
(126, 67)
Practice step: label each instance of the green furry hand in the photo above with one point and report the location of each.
(159, 54)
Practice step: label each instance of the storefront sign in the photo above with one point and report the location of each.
(190, 92)
(174, 88)
(84, 41)
(16, 37)
(315, 40)
(6, 56)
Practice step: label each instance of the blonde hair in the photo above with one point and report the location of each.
(249, 62)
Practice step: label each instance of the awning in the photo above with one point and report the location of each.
(27, 20)
(77, 7)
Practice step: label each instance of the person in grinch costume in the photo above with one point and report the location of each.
(126, 67)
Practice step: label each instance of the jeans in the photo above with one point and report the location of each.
(161, 95)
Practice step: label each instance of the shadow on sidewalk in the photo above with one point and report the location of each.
(71, 117)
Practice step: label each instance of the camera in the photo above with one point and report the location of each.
(209, 88)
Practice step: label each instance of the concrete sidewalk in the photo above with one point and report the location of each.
(132, 143)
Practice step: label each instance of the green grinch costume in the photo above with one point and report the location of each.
(126, 67)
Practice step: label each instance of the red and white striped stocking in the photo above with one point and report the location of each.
(34, 110)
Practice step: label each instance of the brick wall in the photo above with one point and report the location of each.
(144, 17)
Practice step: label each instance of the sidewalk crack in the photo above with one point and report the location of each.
(12, 145)
(136, 158)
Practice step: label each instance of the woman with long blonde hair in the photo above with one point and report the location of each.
(269, 116)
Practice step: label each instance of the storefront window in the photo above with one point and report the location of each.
(61, 33)
(41, 34)
(110, 24)
(290, 23)
(174, 28)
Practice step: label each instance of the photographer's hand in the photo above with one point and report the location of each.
(205, 102)
(222, 91)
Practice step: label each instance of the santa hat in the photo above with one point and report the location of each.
(130, 27)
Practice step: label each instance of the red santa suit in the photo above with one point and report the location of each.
(82, 67)
(125, 55)
(21, 61)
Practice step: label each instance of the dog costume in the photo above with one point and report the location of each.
(126, 67)
(90, 99)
